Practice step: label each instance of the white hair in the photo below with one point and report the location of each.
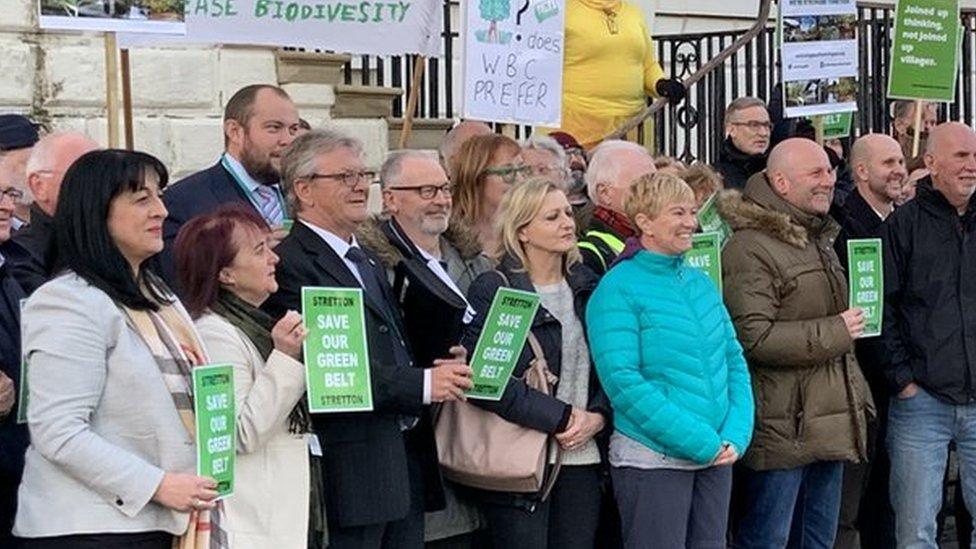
(393, 165)
(546, 143)
(45, 152)
(603, 166)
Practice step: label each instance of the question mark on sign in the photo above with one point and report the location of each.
(523, 9)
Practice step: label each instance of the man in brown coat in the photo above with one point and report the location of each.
(787, 295)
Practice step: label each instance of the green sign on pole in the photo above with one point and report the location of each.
(706, 254)
(837, 125)
(925, 50)
(336, 352)
(711, 221)
(22, 389)
(216, 418)
(500, 344)
(866, 281)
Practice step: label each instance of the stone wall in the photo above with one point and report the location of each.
(178, 92)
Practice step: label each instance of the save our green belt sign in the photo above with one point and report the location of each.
(214, 410)
(498, 349)
(706, 254)
(866, 282)
(925, 50)
(336, 351)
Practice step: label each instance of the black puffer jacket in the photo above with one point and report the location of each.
(930, 296)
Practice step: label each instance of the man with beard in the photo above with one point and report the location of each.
(430, 269)
(747, 130)
(878, 170)
(259, 122)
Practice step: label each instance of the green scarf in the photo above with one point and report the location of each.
(257, 325)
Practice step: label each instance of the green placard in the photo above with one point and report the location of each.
(837, 125)
(336, 352)
(287, 224)
(925, 50)
(711, 221)
(706, 254)
(500, 344)
(213, 406)
(866, 281)
(22, 389)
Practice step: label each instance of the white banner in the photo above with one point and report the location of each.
(819, 56)
(366, 27)
(513, 60)
(160, 16)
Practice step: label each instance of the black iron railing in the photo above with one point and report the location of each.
(694, 129)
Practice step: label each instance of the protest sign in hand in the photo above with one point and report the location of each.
(706, 254)
(336, 350)
(925, 50)
(500, 345)
(216, 424)
(866, 282)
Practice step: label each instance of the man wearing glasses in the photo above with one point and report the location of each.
(747, 131)
(373, 463)
(31, 251)
(430, 269)
(17, 135)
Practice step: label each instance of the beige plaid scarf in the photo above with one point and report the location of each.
(175, 345)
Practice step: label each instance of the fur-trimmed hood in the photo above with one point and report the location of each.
(370, 234)
(759, 208)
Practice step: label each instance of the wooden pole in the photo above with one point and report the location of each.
(127, 100)
(112, 88)
(918, 128)
(418, 74)
(818, 126)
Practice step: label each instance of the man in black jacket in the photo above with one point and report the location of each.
(259, 122)
(744, 152)
(31, 250)
(929, 353)
(13, 435)
(373, 478)
(878, 169)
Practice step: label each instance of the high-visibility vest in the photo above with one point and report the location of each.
(595, 240)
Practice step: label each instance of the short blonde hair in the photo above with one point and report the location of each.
(518, 208)
(651, 193)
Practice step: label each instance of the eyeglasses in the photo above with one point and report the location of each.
(551, 169)
(755, 125)
(11, 193)
(427, 191)
(509, 173)
(349, 179)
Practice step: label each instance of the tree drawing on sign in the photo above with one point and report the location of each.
(494, 11)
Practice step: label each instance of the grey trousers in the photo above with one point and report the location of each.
(666, 508)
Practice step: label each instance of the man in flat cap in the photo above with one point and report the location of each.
(17, 136)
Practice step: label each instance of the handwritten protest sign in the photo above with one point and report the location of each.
(336, 353)
(367, 27)
(214, 408)
(513, 61)
(925, 50)
(819, 56)
(500, 345)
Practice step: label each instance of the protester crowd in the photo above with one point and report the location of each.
(670, 413)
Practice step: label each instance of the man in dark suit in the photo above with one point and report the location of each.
(373, 480)
(13, 436)
(31, 251)
(866, 516)
(259, 122)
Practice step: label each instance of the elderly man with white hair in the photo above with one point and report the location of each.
(614, 165)
(547, 159)
(31, 252)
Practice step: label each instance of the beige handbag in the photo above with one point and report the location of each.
(478, 448)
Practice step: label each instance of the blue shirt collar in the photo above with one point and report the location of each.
(241, 173)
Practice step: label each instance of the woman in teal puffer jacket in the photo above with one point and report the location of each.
(667, 356)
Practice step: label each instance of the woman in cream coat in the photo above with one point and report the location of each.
(226, 269)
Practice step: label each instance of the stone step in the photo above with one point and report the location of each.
(355, 101)
(426, 133)
(301, 67)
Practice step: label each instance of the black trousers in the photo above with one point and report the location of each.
(142, 540)
(567, 520)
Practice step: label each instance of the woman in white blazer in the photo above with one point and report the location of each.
(226, 269)
(108, 351)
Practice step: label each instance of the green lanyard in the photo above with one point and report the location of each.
(250, 195)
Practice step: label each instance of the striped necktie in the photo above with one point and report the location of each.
(269, 205)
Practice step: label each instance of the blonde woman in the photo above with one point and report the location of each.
(537, 252)
(667, 353)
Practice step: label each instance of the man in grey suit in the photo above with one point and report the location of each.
(374, 484)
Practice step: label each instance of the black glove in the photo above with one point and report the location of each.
(671, 88)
